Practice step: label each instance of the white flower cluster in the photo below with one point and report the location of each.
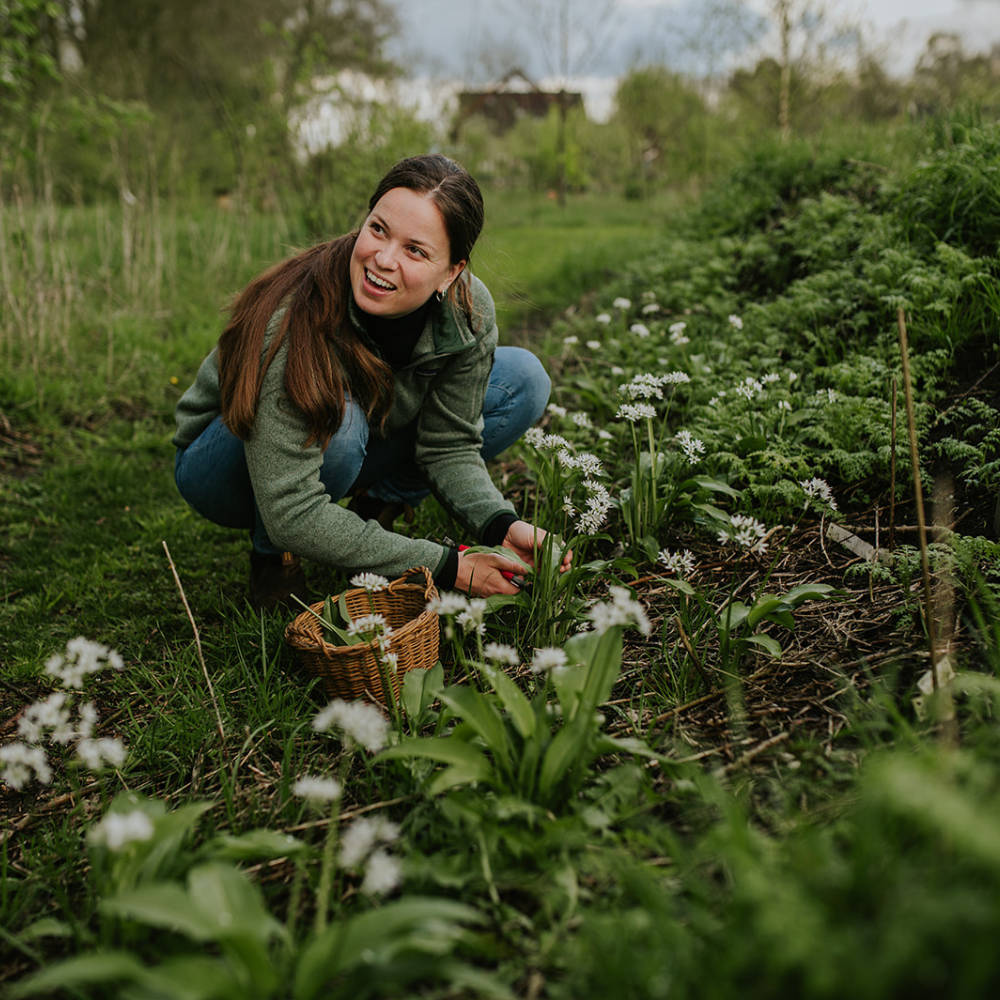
(501, 655)
(746, 532)
(364, 842)
(537, 438)
(595, 510)
(548, 659)
(621, 610)
(371, 582)
(692, 447)
(622, 303)
(82, 657)
(680, 563)
(677, 337)
(117, 830)
(736, 322)
(361, 721)
(467, 613)
(819, 489)
(51, 719)
(640, 330)
(634, 412)
(318, 789)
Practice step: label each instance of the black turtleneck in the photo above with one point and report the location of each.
(396, 337)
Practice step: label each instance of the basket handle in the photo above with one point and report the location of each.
(429, 587)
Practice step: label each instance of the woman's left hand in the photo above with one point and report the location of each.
(525, 540)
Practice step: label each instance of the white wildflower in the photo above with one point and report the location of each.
(603, 318)
(747, 532)
(118, 830)
(534, 436)
(634, 412)
(88, 720)
(681, 563)
(361, 721)
(19, 763)
(371, 582)
(617, 370)
(622, 303)
(598, 505)
(318, 789)
(52, 713)
(640, 330)
(549, 658)
(96, 753)
(370, 626)
(674, 378)
(571, 341)
(556, 411)
(448, 604)
(594, 345)
(365, 835)
(472, 618)
(770, 377)
(650, 308)
(622, 610)
(582, 420)
(382, 874)
(736, 322)
(605, 435)
(783, 404)
(692, 447)
(819, 489)
(501, 655)
(82, 657)
(589, 464)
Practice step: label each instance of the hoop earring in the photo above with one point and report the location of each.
(439, 295)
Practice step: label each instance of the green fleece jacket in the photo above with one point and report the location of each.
(442, 388)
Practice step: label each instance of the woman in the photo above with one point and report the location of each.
(365, 367)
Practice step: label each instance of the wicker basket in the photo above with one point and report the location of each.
(351, 672)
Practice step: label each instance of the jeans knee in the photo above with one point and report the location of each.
(527, 379)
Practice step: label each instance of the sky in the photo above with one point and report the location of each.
(476, 40)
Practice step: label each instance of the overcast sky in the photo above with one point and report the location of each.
(473, 39)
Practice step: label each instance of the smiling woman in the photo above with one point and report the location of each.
(367, 367)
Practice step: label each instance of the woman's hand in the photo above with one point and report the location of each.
(524, 540)
(481, 573)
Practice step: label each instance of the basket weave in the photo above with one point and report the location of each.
(351, 672)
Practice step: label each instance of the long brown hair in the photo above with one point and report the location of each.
(314, 287)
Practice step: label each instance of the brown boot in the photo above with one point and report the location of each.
(275, 580)
(384, 511)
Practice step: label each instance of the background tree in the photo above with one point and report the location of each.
(663, 117)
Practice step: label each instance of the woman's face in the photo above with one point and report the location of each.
(402, 256)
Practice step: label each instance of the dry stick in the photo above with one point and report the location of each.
(944, 713)
(918, 494)
(892, 473)
(197, 641)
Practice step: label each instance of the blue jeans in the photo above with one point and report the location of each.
(211, 473)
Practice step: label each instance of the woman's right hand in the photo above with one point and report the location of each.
(481, 574)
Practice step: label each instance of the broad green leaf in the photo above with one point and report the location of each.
(228, 900)
(253, 845)
(716, 486)
(194, 977)
(563, 754)
(422, 923)
(512, 698)
(763, 607)
(769, 645)
(444, 749)
(457, 774)
(419, 691)
(810, 592)
(162, 904)
(46, 927)
(624, 744)
(84, 970)
(733, 615)
(478, 711)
